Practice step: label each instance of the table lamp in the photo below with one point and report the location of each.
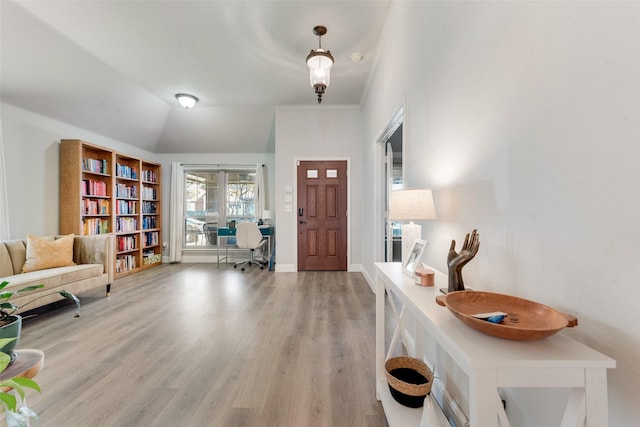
(414, 204)
(266, 216)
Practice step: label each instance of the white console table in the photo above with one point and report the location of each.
(490, 362)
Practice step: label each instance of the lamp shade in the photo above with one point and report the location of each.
(186, 100)
(412, 205)
(320, 62)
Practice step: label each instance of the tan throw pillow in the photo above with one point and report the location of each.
(43, 253)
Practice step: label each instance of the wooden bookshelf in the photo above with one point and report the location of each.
(104, 191)
(151, 212)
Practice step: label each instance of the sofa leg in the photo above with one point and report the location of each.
(109, 289)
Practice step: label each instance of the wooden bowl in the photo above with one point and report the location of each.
(525, 321)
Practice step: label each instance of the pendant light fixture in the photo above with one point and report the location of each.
(319, 62)
(186, 100)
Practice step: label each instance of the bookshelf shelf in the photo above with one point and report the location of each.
(104, 191)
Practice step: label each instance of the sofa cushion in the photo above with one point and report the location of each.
(17, 250)
(54, 277)
(43, 253)
(6, 267)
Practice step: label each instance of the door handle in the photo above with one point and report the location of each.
(302, 222)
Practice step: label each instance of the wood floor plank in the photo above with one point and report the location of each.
(191, 345)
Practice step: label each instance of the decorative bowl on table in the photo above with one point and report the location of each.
(523, 320)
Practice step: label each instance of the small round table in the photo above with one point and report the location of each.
(27, 365)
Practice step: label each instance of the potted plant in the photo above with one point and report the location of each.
(13, 412)
(11, 323)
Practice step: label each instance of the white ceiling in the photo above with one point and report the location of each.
(113, 67)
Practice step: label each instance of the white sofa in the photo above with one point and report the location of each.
(93, 256)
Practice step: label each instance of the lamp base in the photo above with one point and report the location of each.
(410, 232)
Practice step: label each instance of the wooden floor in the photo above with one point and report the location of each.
(188, 345)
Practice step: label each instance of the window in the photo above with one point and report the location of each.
(214, 198)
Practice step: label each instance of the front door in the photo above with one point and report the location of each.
(322, 215)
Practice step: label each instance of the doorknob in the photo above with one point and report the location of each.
(302, 222)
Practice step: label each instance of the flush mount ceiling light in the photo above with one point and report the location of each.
(186, 100)
(319, 62)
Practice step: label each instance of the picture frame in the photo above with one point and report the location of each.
(415, 257)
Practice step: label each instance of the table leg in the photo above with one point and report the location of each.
(597, 405)
(218, 250)
(380, 344)
(483, 389)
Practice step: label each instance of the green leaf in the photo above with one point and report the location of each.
(28, 383)
(29, 288)
(3, 284)
(7, 305)
(14, 385)
(69, 295)
(6, 295)
(5, 341)
(5, 359)
(9, 400)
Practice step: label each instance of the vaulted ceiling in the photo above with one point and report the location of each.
(113, 67)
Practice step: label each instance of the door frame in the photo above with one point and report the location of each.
(379, 215)
(294, 223)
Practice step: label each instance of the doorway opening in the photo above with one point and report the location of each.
(391, 146)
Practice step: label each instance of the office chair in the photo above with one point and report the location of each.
(248, 236)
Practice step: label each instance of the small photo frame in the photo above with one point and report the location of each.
(415, 257)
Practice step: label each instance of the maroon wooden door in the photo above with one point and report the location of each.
(322, 215)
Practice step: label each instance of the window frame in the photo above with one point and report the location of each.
(197, 235)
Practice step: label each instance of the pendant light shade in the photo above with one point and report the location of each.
(319, 62)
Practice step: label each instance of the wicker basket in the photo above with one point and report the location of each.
(404, 391)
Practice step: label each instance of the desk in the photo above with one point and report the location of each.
(226, 232)
(490, 362)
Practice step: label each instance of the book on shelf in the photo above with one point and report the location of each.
(95, 165)
(124, 171)
(126, 207)
(125, 224)
(125, 263)
(95, 226)
(148, 193)
(126, 191)
(127, 243)
(151, 238)
(91, 187)
(94, 207)
(149, 222)
(149, 176)
(149, 207)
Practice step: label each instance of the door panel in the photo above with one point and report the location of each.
(322, 215)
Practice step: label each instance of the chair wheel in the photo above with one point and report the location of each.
(262, 267)
(235, 266)
(242, 268)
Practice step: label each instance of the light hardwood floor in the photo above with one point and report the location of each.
(188, 345)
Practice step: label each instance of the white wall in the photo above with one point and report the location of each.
(31, 149)
(523, 117)
(319, 133)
